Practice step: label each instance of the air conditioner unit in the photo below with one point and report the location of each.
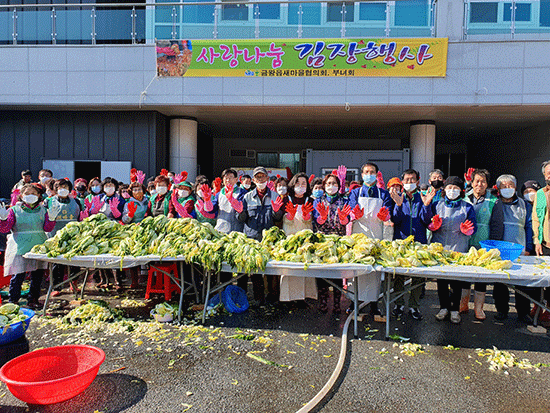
(238, 153)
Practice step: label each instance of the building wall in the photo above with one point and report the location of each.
(478, 73)
(28, 137)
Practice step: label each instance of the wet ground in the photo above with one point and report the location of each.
(277, 359)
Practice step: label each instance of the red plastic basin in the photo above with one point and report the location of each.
(52, 375)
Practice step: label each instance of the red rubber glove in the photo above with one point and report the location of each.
(323, 213)
(164, 172)
(132, 208)
(206, 193)
(436, 223)
(291, 210)
(113, 206)
(343, 214)
(307, 209)
(277, 204)
(229, 192)
(467, 228)
(358, 212)
(311, 178)
(271, 185)
(468, 175)
(133, 172)
(384, 214)
(217, 184)
(237, 205)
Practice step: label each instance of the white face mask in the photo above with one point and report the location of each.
(246, 186)
(182, 193)
(299, 190)
(530, 196)
(49, 192)
(331, 190)
(153, 191)
(63, 192)
(161, 190)
(282, 190)
(44, 179)
(109, 190)
(452, 194)
(409, 187)
(507, 192)
(29, 199)
(261, 186)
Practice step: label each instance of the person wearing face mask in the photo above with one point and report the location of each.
(182, 194)
(224, 202)
(331, 214)
(297, 217)
(80, 191)
(44, 176)
(372, 208)
(124, 192)
(412, 214)
(529, 191)
(517, 229)
(257, 212)
(69, 210)
(49, 187)
(94, 189)
(490, 225)
(281, 187)
(316, 188)
(26, 178)
(453, 224)
(160, 199)
(246, 183)
(436, 179)
(204, 196)
(28, 221)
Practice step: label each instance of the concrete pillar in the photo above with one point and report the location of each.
(183, 146)
(422, 147)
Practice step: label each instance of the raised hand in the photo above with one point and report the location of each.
(54, 211)
(380, 180)
(307, 209)
(133, 172)
(113, 206)
(271, 185)
(383, 214)
(311, 178)
(140, 176)
(435, 224)
(428, 198)
(343, 214)
(341, 174)
(132, 208)
(397, 198)
(96, 204)
(323, 213)
(467, 228)
(15, 196)
(468, 175)
(3, 212)
(229, 192)
(164, 172)
(291, 210)
(358, 212)
(277, 204)
(180, 209)
(84, 215)
(87, 204)
(206, 193)
(217, 184)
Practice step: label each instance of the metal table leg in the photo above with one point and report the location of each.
(356, 304)
(207, 296)
(50, 288)
(388, 297)
(181, 291)
(84, 283)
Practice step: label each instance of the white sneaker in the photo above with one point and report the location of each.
(455, 317)
(443, 313)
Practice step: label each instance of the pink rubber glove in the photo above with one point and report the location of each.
(113, 206)
(207, 196)
(87, 204)
(84, 215)
(271, 185)
(341, 174)
(140, 176)
(206, 214)
(180, 209)
(96, 205)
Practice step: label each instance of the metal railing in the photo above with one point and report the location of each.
(506, 19)
(134, 23)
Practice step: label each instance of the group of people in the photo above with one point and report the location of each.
(458, 213)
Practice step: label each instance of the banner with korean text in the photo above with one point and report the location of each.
(406, 57)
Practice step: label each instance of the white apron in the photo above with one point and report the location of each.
(297, 288)
(373, 227)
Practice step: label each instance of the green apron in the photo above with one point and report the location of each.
(484, 210)
(70, 211)
(28, 230)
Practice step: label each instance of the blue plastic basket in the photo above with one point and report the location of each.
(14, 331)
(214, 301)
(508, 250)
(234, 299)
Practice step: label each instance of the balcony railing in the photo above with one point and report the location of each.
(134, 23)
(507, 19)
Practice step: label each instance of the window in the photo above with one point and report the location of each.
(311, 14)
(412, 13)
(235, 12)
(198, 14)
(523, 12)
(270, 11)
(483, 12)
(268, 160)
(544, 17)
(334, 12)
(372, 11)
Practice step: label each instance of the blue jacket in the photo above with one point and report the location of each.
(257, 214)
(373, 192)
(412, 223)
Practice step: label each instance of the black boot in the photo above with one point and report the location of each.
(323, 299)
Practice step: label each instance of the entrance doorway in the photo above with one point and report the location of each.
(87, 170)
